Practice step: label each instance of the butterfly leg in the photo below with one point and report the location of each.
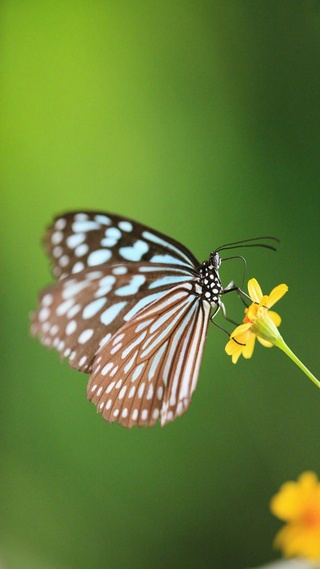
(231, 287)
(224, 312)
(212, 317)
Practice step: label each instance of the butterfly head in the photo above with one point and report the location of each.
(215, 260)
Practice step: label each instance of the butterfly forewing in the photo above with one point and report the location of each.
(91, 239)
(150, 367)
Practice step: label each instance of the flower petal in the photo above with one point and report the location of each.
(247, 350)
(239, 341)
(234, 350)
(296, 540)
(242, 329)
(276, 293)
(254, 290)
(251, 313)
(264, 343)
(276, 319)
(289, 503)
(263, 301)
(298, 503)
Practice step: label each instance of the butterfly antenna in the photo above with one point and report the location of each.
(248, 243)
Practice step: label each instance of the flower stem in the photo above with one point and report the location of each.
(280, 343)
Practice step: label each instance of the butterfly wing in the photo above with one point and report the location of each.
(127, 309)
(150, 366)
(77, 240)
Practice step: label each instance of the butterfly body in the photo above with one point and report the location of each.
(131, 307)
(209, 280)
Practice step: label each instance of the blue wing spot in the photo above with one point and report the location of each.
(132, 288)
(111, 313)
(99, 257)
(80, 226)
(113, 232)
(125, 226)
(75, 240)
(108, 242)
(135, 252)
(104, 219)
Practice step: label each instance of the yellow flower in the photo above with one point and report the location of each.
(262, 323)
(298, 504)
(259, 322)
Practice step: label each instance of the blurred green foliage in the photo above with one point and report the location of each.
(201, 119)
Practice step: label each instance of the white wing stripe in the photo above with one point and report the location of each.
(165, 317)
(167, 259)
(137, 371)
(141, 304)
(163, 304)
(185, 383)
(173, 351)
(165, 333)
(155, 239)
(133, 345)
(201, 332)
(155, 361)
(158, 268)
(130, 363)
(143, 325)
(169, 280)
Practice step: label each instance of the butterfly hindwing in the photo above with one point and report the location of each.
(149, 368)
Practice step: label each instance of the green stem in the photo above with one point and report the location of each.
(280, 343)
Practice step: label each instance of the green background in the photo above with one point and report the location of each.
(202, 120)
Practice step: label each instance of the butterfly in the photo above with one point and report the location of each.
(131, 308)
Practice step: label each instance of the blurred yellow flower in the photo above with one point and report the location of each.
(262, 323)
(298, 504)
